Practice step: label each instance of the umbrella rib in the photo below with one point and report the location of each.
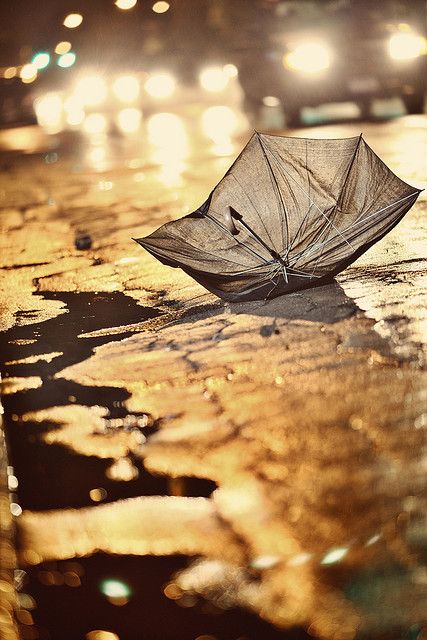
(253, 206)
(241, 244)
(314, 247)
(274, 181)
(215, 254)
(317, 207)
(338, 202)
(302, 223)
(332, 214)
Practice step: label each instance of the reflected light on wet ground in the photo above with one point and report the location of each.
(306, 425)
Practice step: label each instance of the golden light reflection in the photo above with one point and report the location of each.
(98, 494)
(171, 173)
(219, 123)
(63, 47)
(73, 20)
(167, 133)
(334, 555)
(15, 509)
(101, 635)
(123, 470)
(96, 156)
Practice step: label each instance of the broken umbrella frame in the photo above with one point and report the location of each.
(290, 213)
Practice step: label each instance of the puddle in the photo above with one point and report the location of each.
(145, 611)
(51, 476)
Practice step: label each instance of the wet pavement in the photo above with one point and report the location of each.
(189, 468)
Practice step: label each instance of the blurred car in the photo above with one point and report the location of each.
(312, 52)
(96, 102)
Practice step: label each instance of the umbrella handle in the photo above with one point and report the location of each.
(229, 222)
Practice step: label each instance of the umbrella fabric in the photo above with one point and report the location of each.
(289, 213)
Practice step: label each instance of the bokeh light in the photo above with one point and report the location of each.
(406, 46)
(115, 588)
(271, 101)
(98, 494)
(126, 88)
(129, 120)
(98, 634)
(63, 47)
(160, 85)
(160, 7)
(308, 57)
(125, 4)
(116, 591)
(66, 60)
(74, 111)
(73, 20)
(214, 79)
(28, 73)
(91, 90)
(167, 130)
(41, 60)
(95, 123)
(10, 72)
(15, 509)
(334, 555)
(219, 123)
(48, 110)
(231, 70)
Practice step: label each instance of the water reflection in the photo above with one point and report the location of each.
(169, 141)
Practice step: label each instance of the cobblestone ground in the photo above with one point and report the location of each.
(306, 413)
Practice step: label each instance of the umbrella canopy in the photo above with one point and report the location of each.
(289, 213)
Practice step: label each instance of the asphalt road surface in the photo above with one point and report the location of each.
(185, 468)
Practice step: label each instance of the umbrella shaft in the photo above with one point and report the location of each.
(271, 251)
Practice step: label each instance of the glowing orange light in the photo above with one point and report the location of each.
(73, 20)
(125, 4)
(28, 73)
(10, 72)
(63, 47)
(160, 7)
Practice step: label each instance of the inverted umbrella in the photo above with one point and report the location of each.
(289, 213)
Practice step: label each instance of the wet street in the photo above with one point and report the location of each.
(182, 468)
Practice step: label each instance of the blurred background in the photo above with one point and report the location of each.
(105, 67)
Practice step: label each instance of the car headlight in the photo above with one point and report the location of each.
(48, 110)
(91, 90)
(406, 46)
(214, 79)
(308, 57)
(126, 88)
(160, 85)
